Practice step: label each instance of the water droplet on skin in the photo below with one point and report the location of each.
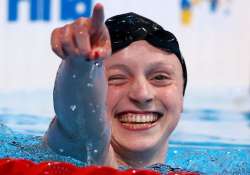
(73, 107)
(89, 149)
(90, 85)
(93, 68)
(91, 73)
(98, 64)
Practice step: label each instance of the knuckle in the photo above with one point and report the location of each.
(55, 33)
(66, 41)
(68, 26)
(65, 26)
(80, 21)
(66, 29)
(55, 48)
(57, 51)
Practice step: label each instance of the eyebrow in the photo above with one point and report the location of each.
(123, 67)
(149, 68)
(154, 65)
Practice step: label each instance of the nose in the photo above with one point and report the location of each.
(141, 92)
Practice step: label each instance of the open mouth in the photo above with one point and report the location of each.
(138, 121)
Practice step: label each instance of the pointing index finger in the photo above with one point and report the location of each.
(97, 17)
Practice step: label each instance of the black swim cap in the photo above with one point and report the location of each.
(130, 27)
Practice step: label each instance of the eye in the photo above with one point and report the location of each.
(117, 80)
(160, 79)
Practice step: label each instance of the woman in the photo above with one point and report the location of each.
(119, 90)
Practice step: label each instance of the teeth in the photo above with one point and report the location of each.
(138, 118)
(137, 126)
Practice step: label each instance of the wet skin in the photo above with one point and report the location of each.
(143, 102)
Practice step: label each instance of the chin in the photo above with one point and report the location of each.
(142, 146)
(137, 143)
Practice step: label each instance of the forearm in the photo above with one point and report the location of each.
(80, 129)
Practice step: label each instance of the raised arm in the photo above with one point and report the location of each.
(80, 128)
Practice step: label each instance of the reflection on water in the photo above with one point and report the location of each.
(247, 116)
(208, 115)
(195, 126)
(213, 159)
(213, 135)
(16, 145)
(25, 123)
(209, 158)
(213, 126)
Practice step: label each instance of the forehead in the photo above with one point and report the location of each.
(141, 54)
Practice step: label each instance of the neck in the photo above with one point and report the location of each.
(141, 159)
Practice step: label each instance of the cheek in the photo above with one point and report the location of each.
(110, 100)
(173, 104)
(114, 96)
(172, 99)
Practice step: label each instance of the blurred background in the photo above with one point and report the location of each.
(213, 35)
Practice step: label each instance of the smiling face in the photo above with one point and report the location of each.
(145, 97)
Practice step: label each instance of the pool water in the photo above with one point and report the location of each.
(212, 137)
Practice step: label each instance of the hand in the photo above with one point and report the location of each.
(85, 38)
